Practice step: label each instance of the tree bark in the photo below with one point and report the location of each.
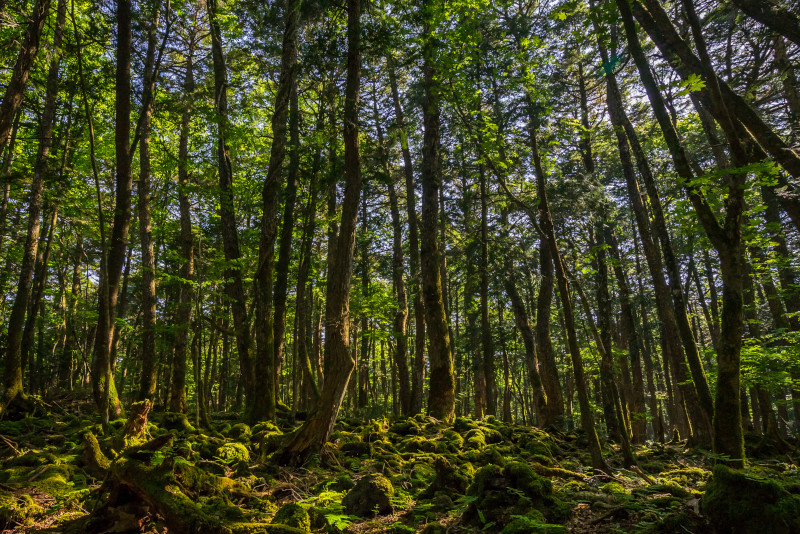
(13, 384)
(234, 285)
(774, 17)
(441, 396)
(338, 362)
(15, 90)
(147, 388)
(418, 373)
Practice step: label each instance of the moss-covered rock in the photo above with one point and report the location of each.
(449, 477)
(231, 453)
(501, 492)
(293, 515)
(737, 502)
(475, 439)
(239, 432)
(372, 495)
(407, 427)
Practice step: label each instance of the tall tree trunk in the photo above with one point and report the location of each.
(523, 325)
(338, 362)
(547, 230)
(15, 90)
(726, 238)
(147, 388)
(633, 343)
(487, 348)
(544, 343)
(418, 373)
(13, 358)
(234, 285)
(287, 229)
(441, 396)
(262, 406)
(400, 323)
(178, 400)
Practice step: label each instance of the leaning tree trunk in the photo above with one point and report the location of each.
(338, 362)
(726, 237)
(15, 90)
(13, 361)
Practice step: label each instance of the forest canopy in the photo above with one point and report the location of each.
(277, 256)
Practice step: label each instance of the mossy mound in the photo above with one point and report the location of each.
(739, 503)
(232, 453)
(497, 493)
(293, 515)
(372, 495)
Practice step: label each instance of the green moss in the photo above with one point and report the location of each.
(614, 488)
(233, 452)
(524, 478)
(434, 528)
(527, 525)
(19, 510)
(464, 424)
(453, 439)
(371, 495)
(264, 528)
(239, 432)
(737, 502)
(293, 515)
(408, 427)
(475, 439)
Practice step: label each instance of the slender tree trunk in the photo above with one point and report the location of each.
(523, 325)
(418, 374)
(487, 347)
(400, 351)
(287, 228)
(338, 362)
(178, 399)
(13, 361)
(13, 384)
(234, 285)
(634, 345)
(262, 405)
(148, 355)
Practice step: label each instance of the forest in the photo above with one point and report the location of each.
(511, 266)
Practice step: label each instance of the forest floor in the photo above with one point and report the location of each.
(63, 473)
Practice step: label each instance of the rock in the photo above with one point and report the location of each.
(740, 503)
(371, 494)
(449, 477)
(293, 515)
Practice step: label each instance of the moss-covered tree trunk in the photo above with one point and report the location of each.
(441, 396)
